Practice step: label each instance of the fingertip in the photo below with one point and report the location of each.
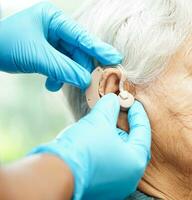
(103, 52)
(112, 100)
(136, 108)
(108, 106)
(108, 55)
(85, 81)
(52, 85)
(138, 118)
(140, 130)
(114, 58)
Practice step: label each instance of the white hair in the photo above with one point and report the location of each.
(146, 32)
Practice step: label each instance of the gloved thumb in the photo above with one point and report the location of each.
(61, 69)
(106, 110)
(140, 129)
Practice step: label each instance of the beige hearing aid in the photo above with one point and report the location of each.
(94, 92)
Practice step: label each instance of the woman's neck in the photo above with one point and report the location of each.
(169, 174)
(164, 181)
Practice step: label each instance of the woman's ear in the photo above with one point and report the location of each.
(111, 80)
(110, 83)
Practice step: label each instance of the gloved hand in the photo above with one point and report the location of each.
(41, 39)
(106, 162)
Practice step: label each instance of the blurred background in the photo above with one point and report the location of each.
(29, 114)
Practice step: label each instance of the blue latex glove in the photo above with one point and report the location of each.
(42, 39)
(106, 162)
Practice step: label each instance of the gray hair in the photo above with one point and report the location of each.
(146, 32)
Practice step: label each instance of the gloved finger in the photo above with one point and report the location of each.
(77, 55)
(61, 68)
(53, 85)
(69, 31)
(106, 111)
(140, 130)
(83, 59)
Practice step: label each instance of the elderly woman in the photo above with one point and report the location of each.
(155, 39)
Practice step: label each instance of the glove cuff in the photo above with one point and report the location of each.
(72, 160)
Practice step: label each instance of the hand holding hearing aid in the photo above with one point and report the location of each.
(106, 162)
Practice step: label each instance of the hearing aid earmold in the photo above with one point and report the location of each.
(92, 93)
(96, 91)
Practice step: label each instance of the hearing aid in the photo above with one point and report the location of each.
(95, 91)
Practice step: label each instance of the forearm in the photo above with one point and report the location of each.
(36, 177)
